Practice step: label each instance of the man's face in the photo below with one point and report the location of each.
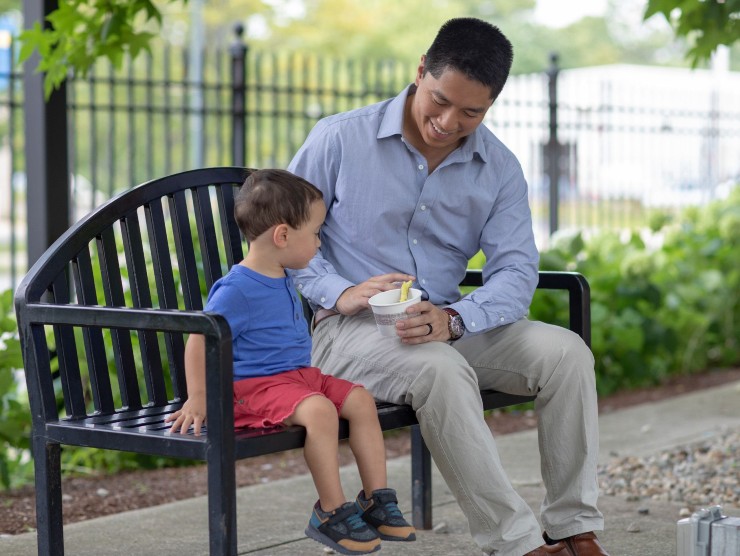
(448, 109)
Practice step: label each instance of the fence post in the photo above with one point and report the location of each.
(552, 149)
(238, 51)
(46, 148)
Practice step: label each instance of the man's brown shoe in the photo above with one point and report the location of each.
(557, 549)
(585, 544)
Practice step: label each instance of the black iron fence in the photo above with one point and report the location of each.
(159, 115)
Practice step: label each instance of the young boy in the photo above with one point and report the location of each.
(280, 215)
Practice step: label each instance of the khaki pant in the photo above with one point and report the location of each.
(441, 382)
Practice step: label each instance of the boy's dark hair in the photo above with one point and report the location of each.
(271, 197)
(473, 47)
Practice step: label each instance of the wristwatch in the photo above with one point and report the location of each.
(455, 324)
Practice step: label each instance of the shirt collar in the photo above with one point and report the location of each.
(392, 124)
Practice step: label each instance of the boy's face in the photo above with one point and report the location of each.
(446, 110)
(304, 241)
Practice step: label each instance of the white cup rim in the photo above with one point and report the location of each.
(414, 294)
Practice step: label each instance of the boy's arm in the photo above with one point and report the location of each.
(193, 411)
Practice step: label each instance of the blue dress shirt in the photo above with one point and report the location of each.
(386, 213)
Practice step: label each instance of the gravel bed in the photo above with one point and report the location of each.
(698, 475)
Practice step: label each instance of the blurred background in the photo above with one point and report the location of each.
(602, 108)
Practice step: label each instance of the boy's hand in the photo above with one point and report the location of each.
(193, 412)
(354, 299)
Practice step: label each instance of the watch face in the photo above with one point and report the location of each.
(457, 325)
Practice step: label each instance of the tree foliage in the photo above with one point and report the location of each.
(707, 24)
(81, 31)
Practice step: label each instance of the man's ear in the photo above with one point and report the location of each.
(420, 69)
(280, 236)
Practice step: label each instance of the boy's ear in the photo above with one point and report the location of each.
(280, 235)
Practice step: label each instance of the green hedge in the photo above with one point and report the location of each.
(663, 302)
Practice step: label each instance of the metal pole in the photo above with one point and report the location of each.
(238, 52)
(552, 148)
(195, 82)
(46, 148)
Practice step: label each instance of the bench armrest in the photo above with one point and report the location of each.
(214, 327)
(579, 296)
(161, 320)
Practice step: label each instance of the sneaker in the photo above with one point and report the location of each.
(342, 529)
(381, 512)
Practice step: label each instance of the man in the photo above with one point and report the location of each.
(414, 187)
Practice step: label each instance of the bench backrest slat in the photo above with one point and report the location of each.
(166, 292)
(207, 236)
(66, 352)
(114, 297)
(185, 252)
(142, 298)
(97, 363)
(230, 231)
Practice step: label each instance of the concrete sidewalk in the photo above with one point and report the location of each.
(272, 516)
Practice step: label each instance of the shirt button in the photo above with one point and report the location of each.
(415, 242)
(501, 319)
(300, 286)
(423, 207)
(423, 281)
(472, 324)
(323, 299)
(421, 166)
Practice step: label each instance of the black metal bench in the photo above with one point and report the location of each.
(103, 315)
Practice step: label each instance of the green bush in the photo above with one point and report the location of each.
(662, 303)
(15, 416)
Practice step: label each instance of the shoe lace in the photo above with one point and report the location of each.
(355, 521)
(393, 509)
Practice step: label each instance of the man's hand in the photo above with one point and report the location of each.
(193, 412)
(416, 329)
(354, 299)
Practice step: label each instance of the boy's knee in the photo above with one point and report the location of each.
(359, 400)
(316, 409)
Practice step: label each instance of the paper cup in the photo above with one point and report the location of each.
(388, 310)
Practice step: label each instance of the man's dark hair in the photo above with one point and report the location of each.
(271, 197)
(473, 47)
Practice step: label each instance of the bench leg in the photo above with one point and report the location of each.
(421, 481)
(221, 505)
(48, 475)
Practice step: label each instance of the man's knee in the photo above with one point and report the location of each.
(575, 361)
(443, 374)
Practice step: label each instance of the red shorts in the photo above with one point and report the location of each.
(267, 401)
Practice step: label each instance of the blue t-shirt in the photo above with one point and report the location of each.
(269, 331)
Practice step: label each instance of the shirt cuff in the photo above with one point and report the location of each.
(325, 292)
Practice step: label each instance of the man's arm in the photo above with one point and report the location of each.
(510, 273)
(318, 161)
